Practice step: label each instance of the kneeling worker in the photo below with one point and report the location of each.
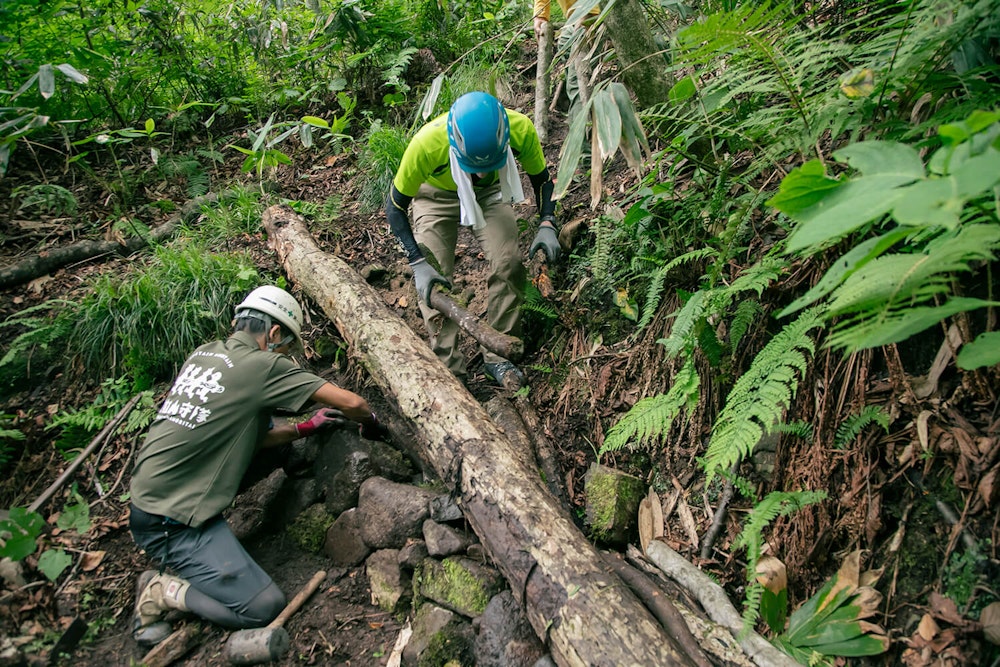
(215, 418)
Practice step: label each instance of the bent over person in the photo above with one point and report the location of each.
(462, 168)
(204, 437)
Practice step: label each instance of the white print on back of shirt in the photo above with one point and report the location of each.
(193, 382)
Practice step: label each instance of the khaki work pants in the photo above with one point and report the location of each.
(436, 215)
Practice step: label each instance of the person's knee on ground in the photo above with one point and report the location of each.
(254, 613)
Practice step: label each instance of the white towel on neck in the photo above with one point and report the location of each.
(510, 189)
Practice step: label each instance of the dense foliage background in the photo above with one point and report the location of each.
(812, 213)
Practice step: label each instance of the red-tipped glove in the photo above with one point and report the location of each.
(323, 418)
(374, 430)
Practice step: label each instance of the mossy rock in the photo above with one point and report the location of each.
(452, 645)
(308, 530)
(612, 503)
(456, 583)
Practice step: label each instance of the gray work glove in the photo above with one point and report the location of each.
(323, 419)
(546, 239)
(425, 275)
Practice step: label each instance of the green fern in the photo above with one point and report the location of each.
(690, 319)
(854, 424)
(534, 302)
(652, 417)
(797, 428)
(600, 259)
(78, 426)
(40, 332)
(775, 504)
(760, 396)
(889, 299)
(747, 312)
(657, 281)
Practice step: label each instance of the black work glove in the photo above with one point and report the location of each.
(324, 418)
(375, 430)
(425, 275)
(546, 239)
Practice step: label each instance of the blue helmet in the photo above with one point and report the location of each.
(478, 130)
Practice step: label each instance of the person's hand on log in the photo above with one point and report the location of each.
(540, 24)
(547, 239)
(375, 430)
(425, 276)
(322, 419)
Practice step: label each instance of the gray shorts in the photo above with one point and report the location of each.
(210, 557)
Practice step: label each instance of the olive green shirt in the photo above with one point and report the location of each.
(211, 424)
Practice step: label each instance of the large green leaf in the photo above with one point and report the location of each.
(847, 208)
(607, 121)
(984, 351)
(571, 151)
(804, 187)
(882, 157)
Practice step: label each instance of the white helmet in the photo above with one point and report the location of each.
(277, 303)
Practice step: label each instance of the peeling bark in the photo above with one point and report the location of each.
(584, 614)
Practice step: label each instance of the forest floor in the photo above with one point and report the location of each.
(877, 497)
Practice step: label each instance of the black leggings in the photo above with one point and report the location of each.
(227, 586)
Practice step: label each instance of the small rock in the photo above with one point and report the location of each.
(391, 512)
(459, 584)
(413, 554)
(445, 509)
(344, 544)
(389, 584)
(506, 639)
(612, 503)
(430, 619)
(443, 540)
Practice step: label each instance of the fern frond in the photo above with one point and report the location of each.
(744, 317)
(854, 424)
(798, 428)
(682, 333)
(775, 504)
(886, 298)
(534, 302)
(652, 417)
(760, 396)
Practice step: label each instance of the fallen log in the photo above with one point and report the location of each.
(50, 260)
(503, 344)
(584, 614)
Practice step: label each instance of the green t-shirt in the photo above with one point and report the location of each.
(210, 425)
(426, 157)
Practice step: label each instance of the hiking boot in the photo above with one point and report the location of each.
(505, 374)
(156, 594)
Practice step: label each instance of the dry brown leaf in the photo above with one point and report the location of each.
(928, 628)
(922, 420)
(91, 560)
(645, 524)
(988, 488)
(687, 521)
(990, 619)
(772, 574)
(657, 512)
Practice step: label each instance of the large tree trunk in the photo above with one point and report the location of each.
(645, 70)
(583, 612)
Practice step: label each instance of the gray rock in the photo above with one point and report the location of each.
(445, 509)
(342, 491)
(344, 544)
(505, 638)
(389, 584)
(412, 554)
(391, 512)
(429, 620)
(443, 540)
